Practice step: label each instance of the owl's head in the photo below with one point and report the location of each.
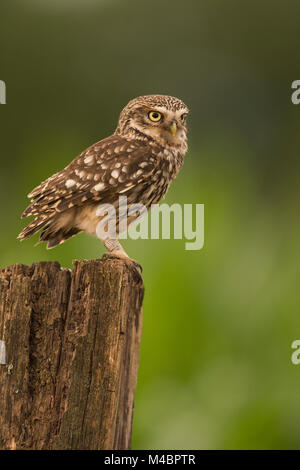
(160, 117)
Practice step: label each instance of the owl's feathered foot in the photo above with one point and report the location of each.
(120, 255)
(115, 250)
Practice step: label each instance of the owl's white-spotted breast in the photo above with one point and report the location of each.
(138, 161)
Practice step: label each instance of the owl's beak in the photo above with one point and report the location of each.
(173, 128)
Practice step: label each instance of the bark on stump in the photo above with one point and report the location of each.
(72, 350)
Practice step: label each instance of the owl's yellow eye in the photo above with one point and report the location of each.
(155, 116)
(183, 118)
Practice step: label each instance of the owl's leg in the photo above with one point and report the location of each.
(116, 250)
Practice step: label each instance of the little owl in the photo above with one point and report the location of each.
(138, 161)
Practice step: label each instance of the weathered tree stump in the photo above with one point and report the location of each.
(72, 343)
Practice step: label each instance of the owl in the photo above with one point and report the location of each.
(138, 161)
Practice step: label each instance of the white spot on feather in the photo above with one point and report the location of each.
(122, 178)
(70, 183)
(115, 173)
(99, 187)
(89, 159)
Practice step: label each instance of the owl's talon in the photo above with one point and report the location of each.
(116, 254)
(138, 268)
(106, 256)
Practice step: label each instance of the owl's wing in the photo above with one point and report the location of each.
(108, 168)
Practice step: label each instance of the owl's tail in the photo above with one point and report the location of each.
(56, 236)
(37, 224)
(53, 232)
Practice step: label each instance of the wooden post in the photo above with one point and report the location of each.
(72, 342)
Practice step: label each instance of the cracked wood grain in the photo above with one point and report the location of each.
(72, 350)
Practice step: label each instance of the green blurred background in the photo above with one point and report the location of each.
(215, 369)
